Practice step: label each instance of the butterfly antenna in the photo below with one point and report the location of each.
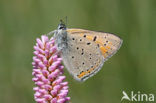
(66, 20)
(62, 22)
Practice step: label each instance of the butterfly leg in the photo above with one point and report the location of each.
(52, 33)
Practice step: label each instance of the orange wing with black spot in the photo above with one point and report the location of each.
(87, 51)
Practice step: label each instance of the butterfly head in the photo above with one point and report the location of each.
(62, 25)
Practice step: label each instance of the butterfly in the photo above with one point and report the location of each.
(83, 51)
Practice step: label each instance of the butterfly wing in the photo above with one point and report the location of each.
(87, 51)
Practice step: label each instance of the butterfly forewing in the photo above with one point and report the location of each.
(108, 43)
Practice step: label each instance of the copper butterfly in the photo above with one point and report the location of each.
(83, 51)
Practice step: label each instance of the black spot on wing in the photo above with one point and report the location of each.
(88, 43)
(94, 38)
(98, 45)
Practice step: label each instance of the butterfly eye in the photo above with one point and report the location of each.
(62, 26)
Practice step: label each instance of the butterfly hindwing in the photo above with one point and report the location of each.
(87, 50)
(82, 58)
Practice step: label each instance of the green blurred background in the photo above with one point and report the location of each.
(133, 68)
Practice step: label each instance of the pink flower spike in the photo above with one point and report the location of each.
(47, 46)
(37, 94)
(65, 87)
(37, 71)
(54, 92)
(48, 73)
(62, 100)
(36, 88)
(54, 100)
(42, 91)
(55, 58)
(64, 83)
(45, 73)
(62, 95)
(40, 100)
(44, 39)
(59, 59)
(53, 49)
(52, 68)
(57, 87)
(48, 97)
(67, 98)
(40, 43)
(47, 87)
(35, 52)
(35, 79)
